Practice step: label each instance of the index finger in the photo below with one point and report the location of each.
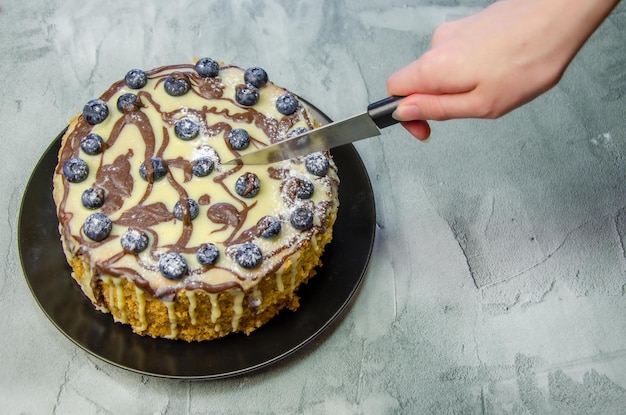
(435, 72)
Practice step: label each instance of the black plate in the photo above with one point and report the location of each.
(323, 299)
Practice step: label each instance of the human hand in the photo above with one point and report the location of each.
(487, 64)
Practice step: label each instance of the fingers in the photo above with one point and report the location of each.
(419, 129)
(421, 75)
(438, 71)
(404, 81)
(442, 107)
(435, 90)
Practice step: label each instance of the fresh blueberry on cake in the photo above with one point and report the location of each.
(95, 111)
(270, 226)
(134, 240)
(287, 104)
(97, 226)
(302, 218)
(176, 86)
(186, 129)
(173, 266)
(158, 169)
(202, 167)
(238, 138)
(93, 198)
(248, 185)
(247, 94)
(188, 209)
(75, 170)
(91, 144)
(127, 103)
(208, 254)
(136, 79)
(255, 76)
(317, 164)
(207, 68)
(248, 255)
(162, 235)
(297, 131)
(300, 187)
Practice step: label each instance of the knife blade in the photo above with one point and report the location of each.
(358, 127)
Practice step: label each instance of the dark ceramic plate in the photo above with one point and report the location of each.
(323, 300)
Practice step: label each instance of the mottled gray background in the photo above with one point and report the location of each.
(497, 282)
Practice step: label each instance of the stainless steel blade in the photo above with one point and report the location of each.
(328, 136)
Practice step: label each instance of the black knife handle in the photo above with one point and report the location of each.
(380, 111)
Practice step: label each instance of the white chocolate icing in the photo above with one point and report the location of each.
(225, 219)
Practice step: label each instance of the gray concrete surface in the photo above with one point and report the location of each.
(497, 283)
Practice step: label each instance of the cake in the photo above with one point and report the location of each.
(163, 235)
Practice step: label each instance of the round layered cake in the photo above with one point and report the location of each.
(163, 235)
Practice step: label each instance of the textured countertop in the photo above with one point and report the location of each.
(497, 283)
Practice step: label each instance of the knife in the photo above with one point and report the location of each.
(367, 124)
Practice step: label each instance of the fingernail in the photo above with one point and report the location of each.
(407, 113)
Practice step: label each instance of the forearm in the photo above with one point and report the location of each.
(572, 21)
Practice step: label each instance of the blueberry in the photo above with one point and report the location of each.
(248, 255)
(255, 76)
(93, 198)
(75, 170)
(134, 240)
(192, 209)
(207, 68)
(158, 170)
(286, 104)
(238, 138)
(97, 226)
(246, 95)
(95, 111)
(269, 226)
(202, 167)
(186, 129)
(173, 266)
(304, 188)
(297, 131)
(248, 185)
(207, 254)
(317, 164)
(302, 218)
(176, 86)
(92, 144)
(136, 79)
(297, 187)
(128, 103)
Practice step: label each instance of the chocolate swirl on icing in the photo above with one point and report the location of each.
(226, 219)
(117, 181)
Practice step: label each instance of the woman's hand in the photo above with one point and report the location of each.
(487, 64)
